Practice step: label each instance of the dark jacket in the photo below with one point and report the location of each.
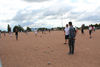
(72, 33)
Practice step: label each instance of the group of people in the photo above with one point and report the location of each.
(10, 34)
(3, 33)
(91, 28)
(70, 33)
(17, 31)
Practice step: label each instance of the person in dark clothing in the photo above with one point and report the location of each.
(42, 31)
(49, 30)
(82, 29)
(72, 35)
(16, 33)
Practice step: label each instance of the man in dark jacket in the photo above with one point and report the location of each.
(72, 35)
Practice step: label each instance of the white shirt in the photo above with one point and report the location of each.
(75, 28)
(67, 31)
(35, 31)
(90, 28)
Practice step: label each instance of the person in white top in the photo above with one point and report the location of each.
(66, 33)
(10, 34)
(94, 28)
(35, 32)
(90, 30)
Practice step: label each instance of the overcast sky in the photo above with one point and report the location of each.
(48, 13)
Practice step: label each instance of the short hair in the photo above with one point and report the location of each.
(70, 23)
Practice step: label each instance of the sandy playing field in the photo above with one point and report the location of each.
(38, 51)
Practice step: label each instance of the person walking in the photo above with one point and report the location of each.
(16, 33)
(94, 28)
(90, 31)
(82, 29)
(49, 30)
(4, 33)
(66, 33)
(35, 32)
(72, 35)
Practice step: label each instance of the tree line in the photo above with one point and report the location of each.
(28, 29)
(19, 28)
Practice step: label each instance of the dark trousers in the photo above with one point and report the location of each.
(82, 31)
(71, 45)
(90, 31)
(16, 37)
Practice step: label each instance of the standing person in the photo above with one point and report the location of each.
(4, 33)
(90, 30)
(72, 35)
(82, 29)
(10, 34)
(42, 30)
(49, 30)
(26, 32)
(94, 28)
(66, 33)
(16, 33)
(35, 32)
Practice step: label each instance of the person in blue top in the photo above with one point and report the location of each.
(72, 35)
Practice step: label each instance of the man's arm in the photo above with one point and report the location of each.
(64, 31)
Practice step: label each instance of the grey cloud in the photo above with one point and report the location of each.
(94, 18)
(55, 13)
(60, 11)
(90, 16)
(28, 15)
(5, 21)
(50, 14)
(75, 15)
(37, 25)
(25, 15)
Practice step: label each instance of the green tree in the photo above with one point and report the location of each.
(9, 28)
(15, 27)
(19, 28)
(60, 28)
(28, 29)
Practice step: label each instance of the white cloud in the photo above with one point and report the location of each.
(39, 13)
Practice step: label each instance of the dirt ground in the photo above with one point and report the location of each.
(49, 50)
